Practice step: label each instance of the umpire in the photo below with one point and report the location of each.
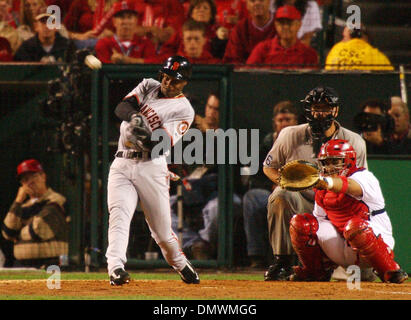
(321, 107)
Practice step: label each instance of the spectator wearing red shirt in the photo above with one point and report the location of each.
(5, 50)
(201, 11)
(285, 51)
(311, 21)
(15, 8)
(8, 25)
(160, 19)
(230, 12)
(125, 46)
(249, 32)
(194, 44)
(8, 14)
(84, 17)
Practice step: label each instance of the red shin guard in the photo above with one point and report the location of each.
(372, 249)
(303, 232)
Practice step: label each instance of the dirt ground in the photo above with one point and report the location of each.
(210, 289)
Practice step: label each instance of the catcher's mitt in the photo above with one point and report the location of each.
(298, 175)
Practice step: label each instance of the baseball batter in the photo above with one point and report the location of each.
(349, 225)
(135, 176)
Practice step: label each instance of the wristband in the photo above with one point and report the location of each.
(330, 182)
(344, 184)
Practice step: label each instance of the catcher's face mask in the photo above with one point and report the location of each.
(332, 166)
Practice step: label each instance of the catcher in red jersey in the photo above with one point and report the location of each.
(349, 225)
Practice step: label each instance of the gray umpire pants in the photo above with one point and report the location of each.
(281, 207)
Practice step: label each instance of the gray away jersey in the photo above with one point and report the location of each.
(174, 115)
(294, 142)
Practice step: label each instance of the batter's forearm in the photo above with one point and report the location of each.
(126, 108)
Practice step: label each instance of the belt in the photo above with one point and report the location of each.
(133, 154)
(375, 212)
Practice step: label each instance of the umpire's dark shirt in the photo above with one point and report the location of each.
(32, 50)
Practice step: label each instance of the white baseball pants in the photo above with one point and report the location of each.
(148, 181)
(336, 247)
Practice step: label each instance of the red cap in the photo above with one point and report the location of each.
(30, 165)
(124, 6)
(288, 12)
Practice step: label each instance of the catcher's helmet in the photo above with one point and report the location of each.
(177, 67)
(337, 149)
(320, 96)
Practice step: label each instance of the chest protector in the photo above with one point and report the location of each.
(340, 207)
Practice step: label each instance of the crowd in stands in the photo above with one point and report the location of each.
(275, 33)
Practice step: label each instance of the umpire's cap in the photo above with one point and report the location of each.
(177, 67)
(30, 165)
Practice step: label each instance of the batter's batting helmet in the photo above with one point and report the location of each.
(320, 96)
(177, 67)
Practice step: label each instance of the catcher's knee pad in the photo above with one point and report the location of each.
(303, 232)
(304, 227)
(358, 231)
(371, 248)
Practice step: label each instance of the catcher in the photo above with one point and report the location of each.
(349, 224)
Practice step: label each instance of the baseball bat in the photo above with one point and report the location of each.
(180, 212)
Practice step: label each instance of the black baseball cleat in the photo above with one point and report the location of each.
(302, 274)
(281, 269)
(119, 277)
(396, 276)
(189, 275)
